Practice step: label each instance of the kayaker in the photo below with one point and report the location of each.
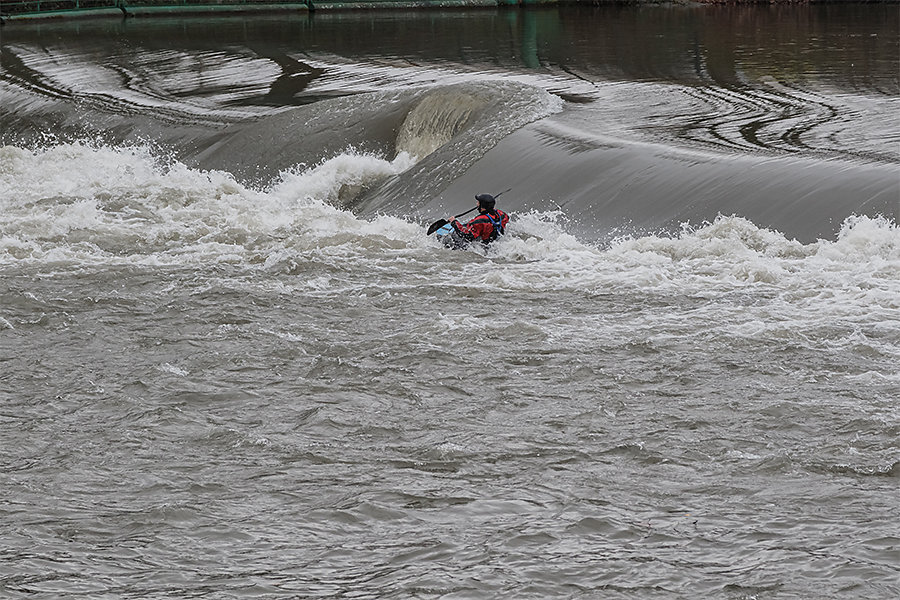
(487, 226)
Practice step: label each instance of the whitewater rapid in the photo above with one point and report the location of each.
(80, 205)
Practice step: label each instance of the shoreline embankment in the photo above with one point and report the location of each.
(16, 10)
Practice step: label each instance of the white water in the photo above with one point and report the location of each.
(76, 207)
(94, 205)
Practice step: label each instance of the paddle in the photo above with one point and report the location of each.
(441, 222)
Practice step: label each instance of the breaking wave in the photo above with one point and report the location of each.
(91, 205)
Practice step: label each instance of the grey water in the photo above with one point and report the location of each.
(233, 365)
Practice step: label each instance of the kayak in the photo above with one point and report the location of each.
(449, 238)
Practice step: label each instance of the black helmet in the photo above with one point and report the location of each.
(486, 201)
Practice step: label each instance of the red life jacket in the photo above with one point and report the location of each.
(485, 228)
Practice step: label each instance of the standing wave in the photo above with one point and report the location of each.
(82, 204)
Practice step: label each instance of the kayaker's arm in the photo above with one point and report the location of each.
(464, 231)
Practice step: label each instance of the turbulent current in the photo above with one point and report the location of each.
(232, 364)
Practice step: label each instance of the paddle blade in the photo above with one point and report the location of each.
(436, 225)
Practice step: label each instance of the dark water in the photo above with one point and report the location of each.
(232, 364)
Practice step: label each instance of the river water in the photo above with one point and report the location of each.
(232, 364)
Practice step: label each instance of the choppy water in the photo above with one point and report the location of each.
(233, 365)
